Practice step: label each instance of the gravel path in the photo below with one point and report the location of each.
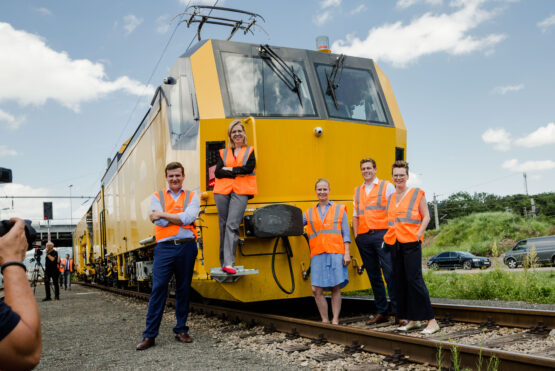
(91, 330)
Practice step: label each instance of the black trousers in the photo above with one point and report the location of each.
(54, 276)
(413, 299)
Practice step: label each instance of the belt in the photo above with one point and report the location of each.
(180, 242)
(372, 231)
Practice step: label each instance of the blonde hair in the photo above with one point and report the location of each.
(322, 180)
(230, 127)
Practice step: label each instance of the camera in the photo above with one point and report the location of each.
(30, 233)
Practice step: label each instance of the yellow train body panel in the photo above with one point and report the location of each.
(188, 122)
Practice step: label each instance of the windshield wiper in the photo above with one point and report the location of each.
(332, 77)
(285, 73)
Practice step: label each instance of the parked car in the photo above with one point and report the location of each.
(545, 251)
(458, 259)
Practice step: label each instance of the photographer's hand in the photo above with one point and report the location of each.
(13, 244)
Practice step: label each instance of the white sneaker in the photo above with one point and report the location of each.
(430, 331)
(409, 327)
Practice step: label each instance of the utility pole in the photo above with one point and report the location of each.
(533, 212)
(435, 212)
(525, 184)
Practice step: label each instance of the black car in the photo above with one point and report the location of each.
(457, 259)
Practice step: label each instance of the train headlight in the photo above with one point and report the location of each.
(318, 131)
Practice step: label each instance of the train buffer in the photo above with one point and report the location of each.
(223, 277)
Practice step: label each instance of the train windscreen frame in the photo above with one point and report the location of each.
(356, 93)
(255, 90)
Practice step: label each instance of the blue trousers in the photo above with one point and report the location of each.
(170, 259)
(413, 298)
(376, 259)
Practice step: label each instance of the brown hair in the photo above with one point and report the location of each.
(322, 180)
(401, 165)
(173, 166)
(230, 127)
(365, 160)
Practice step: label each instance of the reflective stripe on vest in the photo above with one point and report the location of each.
(241, 184)
(370, 215)
(403, 226)
(324, 239)
(172, 229)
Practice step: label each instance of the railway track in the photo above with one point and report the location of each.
(488, 328)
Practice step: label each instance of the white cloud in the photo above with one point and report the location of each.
(401, 44)
(359, 9)
(403, 4)
(330, 3)
(5, 151)
(130, 22)
(163, 24)
(546, 23)
(506, 89)
(43, 11)
(25, 208)
(414, 180)
(542, 136)
(516, 166)
(500, 138)
(12, 121)
(33, 73)
(322, 18)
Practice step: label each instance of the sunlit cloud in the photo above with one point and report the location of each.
(43, 11)
(321, 18)
(33, 73)
(10, 120)
(403, 4)
(163, 24)
(130, 23)
(516, 166)
(546, 23)
(507, 89)
(542, 136)
(500, 138)
(5, 151)
(359, 9)
(401, 44)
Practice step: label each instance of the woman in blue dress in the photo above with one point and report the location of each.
(329, 240)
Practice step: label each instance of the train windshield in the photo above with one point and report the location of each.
(351, 95)
(255, 89)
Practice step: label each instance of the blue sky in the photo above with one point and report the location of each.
(474, 80)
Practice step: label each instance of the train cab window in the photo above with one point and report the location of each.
(181, 115)
(255, 89)
(354, 95)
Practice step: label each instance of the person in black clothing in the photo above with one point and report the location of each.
(20, 331)
(51, 271)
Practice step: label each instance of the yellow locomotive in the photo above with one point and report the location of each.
(308, 114)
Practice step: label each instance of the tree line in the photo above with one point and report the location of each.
(462, 203)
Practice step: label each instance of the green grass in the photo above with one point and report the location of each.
(477, 233)
(530, 286)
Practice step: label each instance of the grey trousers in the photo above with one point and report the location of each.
(231, 208)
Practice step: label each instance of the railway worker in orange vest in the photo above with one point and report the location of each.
(66, 268)
(235, 185)
(369, 227)
(329, 240)
(407, 218)
(174, 211)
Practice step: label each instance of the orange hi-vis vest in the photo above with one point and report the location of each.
(241, 184)
(325, 236)
(371, 208)
(404, 219)
(62, 265)
(169, 205)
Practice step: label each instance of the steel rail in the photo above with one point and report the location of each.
(521, 318)
(414, 349)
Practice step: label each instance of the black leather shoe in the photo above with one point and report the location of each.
(146, 343)
(46, 299)
(378, 318)
(183, 337)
